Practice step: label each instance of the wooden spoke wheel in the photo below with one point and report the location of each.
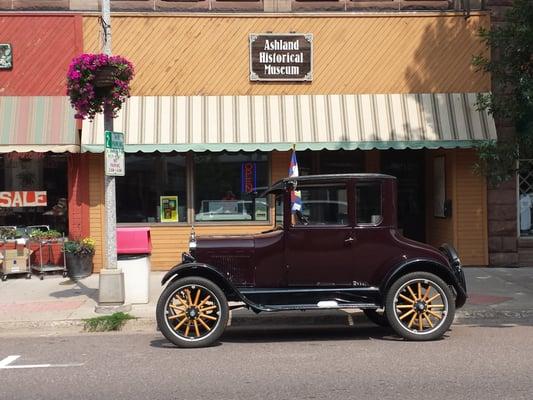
(420, 306)
(192, 312)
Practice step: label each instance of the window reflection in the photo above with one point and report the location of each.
(225, 184)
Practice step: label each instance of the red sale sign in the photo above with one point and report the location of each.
(23, 199)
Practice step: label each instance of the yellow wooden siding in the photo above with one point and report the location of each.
(470, 210)
(466, 230)
(168, 242)
(96, 206)
(440, 230)
(208, 54)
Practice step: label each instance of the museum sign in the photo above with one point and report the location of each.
(281, 57)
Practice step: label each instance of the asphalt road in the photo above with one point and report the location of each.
(364, 362)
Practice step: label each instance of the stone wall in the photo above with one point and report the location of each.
(502, 201)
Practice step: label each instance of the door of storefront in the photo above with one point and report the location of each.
(408, 166)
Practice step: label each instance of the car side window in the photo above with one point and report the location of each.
(368, 203)
(322, 205)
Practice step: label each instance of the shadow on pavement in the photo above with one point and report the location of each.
(296, 334)
(250, 334)
(77, 289)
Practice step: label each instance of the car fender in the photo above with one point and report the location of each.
(428, 265)
(207, 271)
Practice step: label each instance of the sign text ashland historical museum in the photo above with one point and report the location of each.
(281, 57)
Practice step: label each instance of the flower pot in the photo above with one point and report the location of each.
(105, 77)
(79, 267)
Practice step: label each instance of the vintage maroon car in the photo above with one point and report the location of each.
(341, 250)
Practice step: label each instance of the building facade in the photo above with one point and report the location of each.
(391, 91)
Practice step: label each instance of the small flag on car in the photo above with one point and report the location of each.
(296, 198)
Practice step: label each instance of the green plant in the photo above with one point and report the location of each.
(45, 235)
(105, 323)
(511, 100)
(7, 232)
(81, 247)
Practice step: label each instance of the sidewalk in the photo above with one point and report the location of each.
(497, 295)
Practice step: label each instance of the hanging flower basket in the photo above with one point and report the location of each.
(105, 77)
(97, 79)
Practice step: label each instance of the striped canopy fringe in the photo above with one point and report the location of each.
(233, 123)
(37, 123)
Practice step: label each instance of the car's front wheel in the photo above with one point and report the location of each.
(420, 306)
(192, 312)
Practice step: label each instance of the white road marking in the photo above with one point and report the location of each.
(8, 360)
(5, 364)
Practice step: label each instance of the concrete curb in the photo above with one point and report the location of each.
(247, 319)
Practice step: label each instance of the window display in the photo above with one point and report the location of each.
(226, 185)
(149, 179)
(33, 190)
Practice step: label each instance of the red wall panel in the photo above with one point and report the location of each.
(43, 46)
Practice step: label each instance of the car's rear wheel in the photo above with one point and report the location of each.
(420, 306)
(192, 312)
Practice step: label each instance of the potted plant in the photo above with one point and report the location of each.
(79, 256)
(97, 79)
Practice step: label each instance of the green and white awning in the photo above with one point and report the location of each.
(37, 123)
(233, 123)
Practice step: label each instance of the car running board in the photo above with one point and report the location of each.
(321, 305)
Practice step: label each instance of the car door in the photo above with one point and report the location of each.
(372, 239)
(318, 243)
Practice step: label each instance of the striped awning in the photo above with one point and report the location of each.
(37, 123)
(233, 123)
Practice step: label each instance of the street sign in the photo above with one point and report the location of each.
(114, 154)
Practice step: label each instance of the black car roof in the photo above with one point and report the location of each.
(280, 185)
(338, 176)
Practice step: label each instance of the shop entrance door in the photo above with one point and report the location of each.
(408, 166)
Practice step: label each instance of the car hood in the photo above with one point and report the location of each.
(224, 242)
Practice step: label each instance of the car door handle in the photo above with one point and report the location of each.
(349, 240)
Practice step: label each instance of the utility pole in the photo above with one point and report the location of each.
(111, 291)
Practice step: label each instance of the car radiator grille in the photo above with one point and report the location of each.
(237, 269)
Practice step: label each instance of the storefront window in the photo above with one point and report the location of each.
(525, 200)
(330, 162)
(33, 191)
(154, 189)
(225, 184)
(341, 162)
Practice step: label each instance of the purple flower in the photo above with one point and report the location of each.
(80, 84)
